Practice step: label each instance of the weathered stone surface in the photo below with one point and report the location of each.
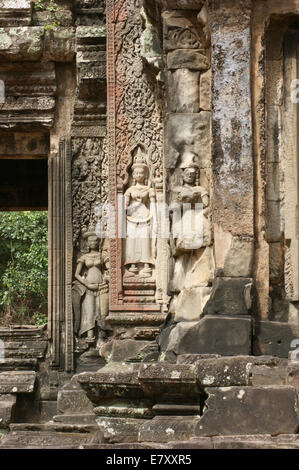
(211, 335)
(194, 358)
(162, 380)
(244, 442)
(82, 418)
(183, 4)
(117, 379)
(48, 409)
(234, 255)
(7, 409)
(141, 409)
(32, 439)
(16, 143)
(292, 374)
(59, 45)
(24, 342)
(267, 375)
(230, 296)
(59, 17)
(183, 91)
(223, 372)
(17, 382)
(73, 401)
(21, 43)
(194, 443)
(190, 303)
(132, 351)
(273, 338)
(193, 270)
(249, 410)
(165, 428)
(120, 429)
(10, 364)
(205, 91)
(232, 123)
(191, 131)
(187, 59)
(15, 13)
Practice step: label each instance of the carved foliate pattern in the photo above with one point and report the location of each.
(138, 114)
(134, 115)
(185, 38)
(89, 183)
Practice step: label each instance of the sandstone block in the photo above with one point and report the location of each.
(292, 375)
(23, 43)
(192, 131)
(73, 401)
(162, 380)
(120, 429)
(131, 350)
(223, 371)
(117, 379)
(187, 59)
(234, 256)
(230, 296)
(190, 303)
(59, 45)
(15, 13)
(274, 338)
(183, 91)
(249, 410)
(205, 91)
(168, 428)
(58, 17)
(17, 382)
(222, 335)
(265, 375)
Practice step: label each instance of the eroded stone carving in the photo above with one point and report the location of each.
(192, 201)
(140, 205)
(134, 122)
(89, 183)
(90, 289)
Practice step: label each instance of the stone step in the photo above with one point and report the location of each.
(50, 435)
(79, 418)
(43, 439)
(54, 427)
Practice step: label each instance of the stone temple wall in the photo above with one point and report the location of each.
(170, 130)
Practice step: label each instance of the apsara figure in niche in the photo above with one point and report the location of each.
(140, 204)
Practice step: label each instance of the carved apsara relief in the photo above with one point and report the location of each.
(90, 290)
(135, 134)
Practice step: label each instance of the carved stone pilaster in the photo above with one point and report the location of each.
(134, 125)
(60, 259)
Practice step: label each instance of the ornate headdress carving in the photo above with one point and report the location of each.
(89, 233)
(189, 159)
(139, 160)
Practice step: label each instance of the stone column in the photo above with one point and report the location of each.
(233, 192)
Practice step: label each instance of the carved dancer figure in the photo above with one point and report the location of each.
(140, 211)
(191, 227)
(90, 289)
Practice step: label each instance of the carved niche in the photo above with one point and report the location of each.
(135, 148)
(91, 275)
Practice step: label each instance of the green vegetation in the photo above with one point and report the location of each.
(51, 26)
(45, 5)
(23, 268)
